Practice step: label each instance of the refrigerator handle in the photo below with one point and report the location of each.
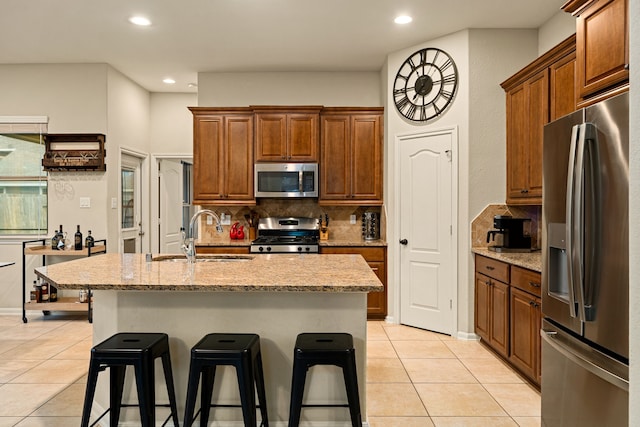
(550, 337)
(593, 225)
(570, 218)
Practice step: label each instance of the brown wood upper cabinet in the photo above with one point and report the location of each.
(540, 92)
(351, 156)
(287, 134)
(223, 156)
(602, 48)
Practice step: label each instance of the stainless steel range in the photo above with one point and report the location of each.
(287, 235)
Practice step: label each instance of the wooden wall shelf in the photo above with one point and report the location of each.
(69, 152)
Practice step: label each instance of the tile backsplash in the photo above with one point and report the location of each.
(484, 222)
(340, 227)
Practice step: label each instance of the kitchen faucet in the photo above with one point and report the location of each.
(188, 240)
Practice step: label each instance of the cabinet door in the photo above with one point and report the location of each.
(499, 312)
(527, 113)
(602, 44)
(377, 301)
(562, 87)
(482, 306)
(271, 137)
(523, 332)
(208, 157)
(366, 159)
(302, 136)
(335, 167)
(238, 169)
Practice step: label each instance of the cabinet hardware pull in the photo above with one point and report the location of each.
(534, 284)
(490, 268)
(524, 191)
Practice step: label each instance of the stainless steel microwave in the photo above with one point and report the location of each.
(286, 180)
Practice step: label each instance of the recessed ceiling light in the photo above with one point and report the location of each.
(168, 81)
(403, 19)
(140, 20)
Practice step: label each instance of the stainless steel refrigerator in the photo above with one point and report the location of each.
(585, 267)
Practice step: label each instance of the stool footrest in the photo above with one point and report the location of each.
(134, 405)
(328, 405)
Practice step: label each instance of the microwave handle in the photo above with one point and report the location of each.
(300, 186)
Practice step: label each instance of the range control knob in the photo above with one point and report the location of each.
(268, 248)
(299, 249)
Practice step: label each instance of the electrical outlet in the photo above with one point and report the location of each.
(225, 219)
(352, 219)
(85, 202)
(209, 220)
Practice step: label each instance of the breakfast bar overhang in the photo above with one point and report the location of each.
(276, 296)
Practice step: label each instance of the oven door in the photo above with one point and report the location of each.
(286, 180)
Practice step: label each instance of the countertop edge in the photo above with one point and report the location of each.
(529, 260)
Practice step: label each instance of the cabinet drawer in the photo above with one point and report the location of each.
(526, 280)
(368, 253)
(493, 268)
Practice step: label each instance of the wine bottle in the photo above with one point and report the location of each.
(44, 292)
(77, 240)
(54, 241)
(53, 293)
(88, 242)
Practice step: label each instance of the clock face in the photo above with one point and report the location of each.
(425, 85)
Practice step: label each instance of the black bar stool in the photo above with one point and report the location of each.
(239, 350)
(140, 351)
(324, 349)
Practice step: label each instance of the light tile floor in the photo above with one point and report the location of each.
(415, 378)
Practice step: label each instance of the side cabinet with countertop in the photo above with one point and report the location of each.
(351, 160)
(376, 257)
(37, 247)
(507, 313)
(223, 156)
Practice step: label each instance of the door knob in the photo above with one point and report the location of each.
(404, 241)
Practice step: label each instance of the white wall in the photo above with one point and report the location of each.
(484, 59)
(289, 88)
(634, 226)
(557, 28)
(172, 122)
(77, 98)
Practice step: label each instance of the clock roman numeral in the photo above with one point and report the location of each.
(399, 92)
(447, 64)
(402, 103)
(411, 111)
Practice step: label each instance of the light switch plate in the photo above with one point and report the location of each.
(85, 202)
(114, 203)
(209, 220)
(352, 219)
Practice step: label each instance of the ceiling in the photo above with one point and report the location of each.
(191, 36)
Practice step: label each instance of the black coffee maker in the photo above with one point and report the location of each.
(510, 234)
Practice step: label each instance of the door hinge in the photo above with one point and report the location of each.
(451, 230)
(450, 304)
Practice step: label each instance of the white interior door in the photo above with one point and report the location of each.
(131, 226)
(171, 202)
(427, 258)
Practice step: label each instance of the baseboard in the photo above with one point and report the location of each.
(467, 336)
(10, 312)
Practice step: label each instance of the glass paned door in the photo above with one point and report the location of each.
(130, 204)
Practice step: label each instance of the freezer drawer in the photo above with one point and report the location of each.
(581, 387)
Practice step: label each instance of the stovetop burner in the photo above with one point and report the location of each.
(287, 235)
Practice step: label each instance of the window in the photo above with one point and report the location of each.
(23, 183)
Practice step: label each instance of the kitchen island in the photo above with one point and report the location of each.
(276, 296)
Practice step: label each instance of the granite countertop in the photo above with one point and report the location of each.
(528, 260)
(235, 273)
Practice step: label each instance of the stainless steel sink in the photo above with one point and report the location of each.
(204, 258)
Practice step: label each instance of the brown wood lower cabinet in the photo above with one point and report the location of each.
(507, 313)
(376, 257)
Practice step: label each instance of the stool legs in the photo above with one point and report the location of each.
(92, 381)
(116, 387)
(351, 384)
(145, 384)
(168, 375)
(262, 395)
(297, 390)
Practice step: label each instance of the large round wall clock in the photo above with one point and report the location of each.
(425, 85)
